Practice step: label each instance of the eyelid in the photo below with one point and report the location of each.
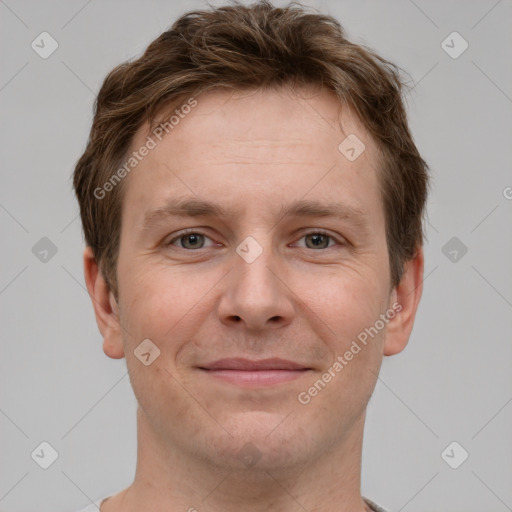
(318, 231)
(340, 241)
(177, 236)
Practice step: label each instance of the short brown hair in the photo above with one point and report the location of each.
(244, 47)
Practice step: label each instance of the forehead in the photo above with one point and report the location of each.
(258, 145)
(311, 117)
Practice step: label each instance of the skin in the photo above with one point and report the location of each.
(251, 153)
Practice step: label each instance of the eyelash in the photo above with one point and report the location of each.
(196, 232)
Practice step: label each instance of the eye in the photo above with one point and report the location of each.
(194, 240)
(319, 240)
(190, 240)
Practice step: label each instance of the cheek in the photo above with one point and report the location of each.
(163, 397)
(163, 302)
(345, 301)
(163, 308)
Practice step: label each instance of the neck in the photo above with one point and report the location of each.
(168, 479)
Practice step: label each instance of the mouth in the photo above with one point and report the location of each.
(245, 372)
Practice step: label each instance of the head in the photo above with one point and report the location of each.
(272, 117)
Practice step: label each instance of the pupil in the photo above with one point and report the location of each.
(192, 238)
(317, 239)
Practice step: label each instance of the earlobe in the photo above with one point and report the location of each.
(105, 307)
(407, 294)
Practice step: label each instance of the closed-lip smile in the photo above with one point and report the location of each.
(255, 373)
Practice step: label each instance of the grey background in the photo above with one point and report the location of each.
(452, 383)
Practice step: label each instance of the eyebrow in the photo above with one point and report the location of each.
(192, 207)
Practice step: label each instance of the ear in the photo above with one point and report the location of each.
(105, 307)
(407, 294)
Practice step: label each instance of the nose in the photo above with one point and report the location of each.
(256, 294)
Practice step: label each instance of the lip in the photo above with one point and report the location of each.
(246, 372)
(249, 365)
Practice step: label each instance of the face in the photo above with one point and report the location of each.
(252, 299)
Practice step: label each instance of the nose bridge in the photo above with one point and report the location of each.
(253, 266)
(255, 294)
(253, 261)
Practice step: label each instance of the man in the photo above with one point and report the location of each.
(252, 203)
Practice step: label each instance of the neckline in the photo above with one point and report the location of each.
(369, 502)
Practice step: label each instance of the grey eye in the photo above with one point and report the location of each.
(318, 241)
(192, 241)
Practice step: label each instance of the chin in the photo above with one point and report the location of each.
(262, 441)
